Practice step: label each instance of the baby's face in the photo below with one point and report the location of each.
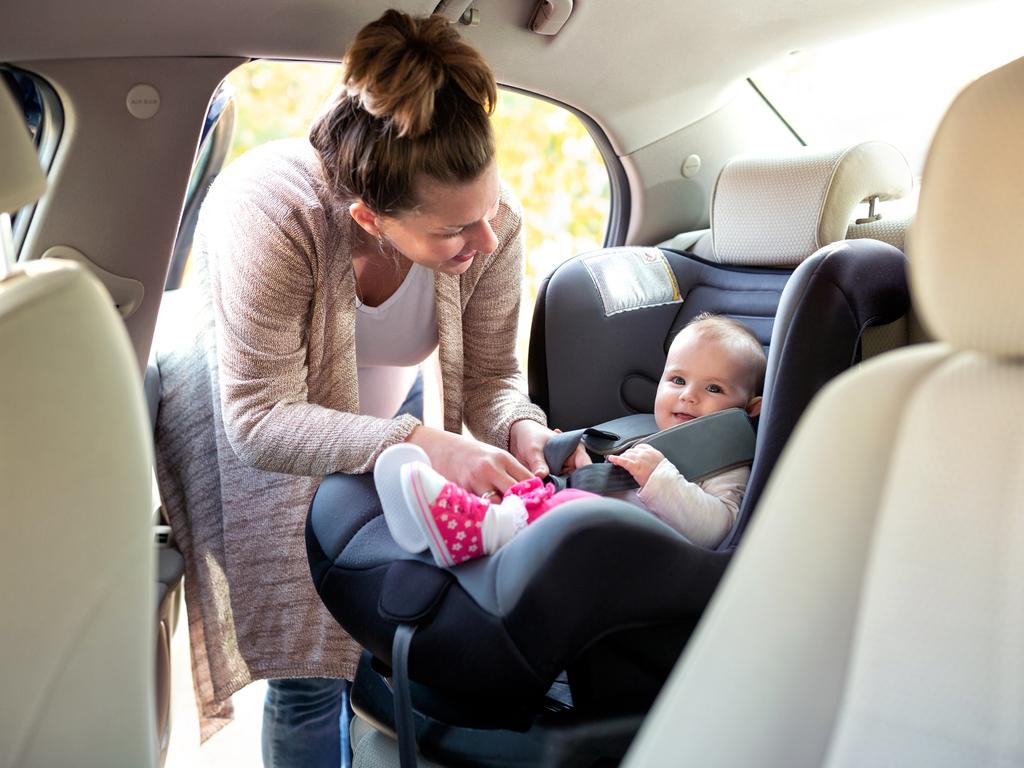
(702, 375)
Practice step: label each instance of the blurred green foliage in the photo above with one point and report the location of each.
(545, 156)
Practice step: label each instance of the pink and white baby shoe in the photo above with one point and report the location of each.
(452, 517)
(457, 524)
(387, 477)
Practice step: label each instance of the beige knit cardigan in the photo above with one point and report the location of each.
(260, 401)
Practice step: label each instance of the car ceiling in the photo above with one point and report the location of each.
(642, 70)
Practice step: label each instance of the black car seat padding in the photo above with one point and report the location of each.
(511, 622)
(586, 366)
(832, 299)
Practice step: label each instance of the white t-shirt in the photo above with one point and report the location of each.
(392, 340)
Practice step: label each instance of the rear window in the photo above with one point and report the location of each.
(894, 84)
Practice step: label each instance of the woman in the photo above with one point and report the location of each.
(327, 270)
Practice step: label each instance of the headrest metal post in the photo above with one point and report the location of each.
(872, 216)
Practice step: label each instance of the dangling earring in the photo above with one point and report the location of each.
(388, 250)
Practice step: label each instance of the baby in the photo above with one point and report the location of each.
(714, 363)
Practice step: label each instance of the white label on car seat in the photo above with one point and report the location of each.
(632, 278)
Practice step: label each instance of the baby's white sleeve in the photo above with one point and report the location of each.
(703, 512)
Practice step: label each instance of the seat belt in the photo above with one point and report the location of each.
(405, 728)
(698, 448)
(411, 593)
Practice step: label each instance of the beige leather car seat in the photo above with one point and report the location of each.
(76, 552)
(874, 615)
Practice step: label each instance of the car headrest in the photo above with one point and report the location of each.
(776, 211)
(21, 179)
(966, 261)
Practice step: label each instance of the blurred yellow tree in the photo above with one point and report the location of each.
(545, 156)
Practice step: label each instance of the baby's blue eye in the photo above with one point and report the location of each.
(678, 381)
(714, 388)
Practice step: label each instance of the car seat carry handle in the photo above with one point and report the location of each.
(698, 448)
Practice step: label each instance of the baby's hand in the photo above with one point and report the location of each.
(640, 461)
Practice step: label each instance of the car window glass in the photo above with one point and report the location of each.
(44, 120)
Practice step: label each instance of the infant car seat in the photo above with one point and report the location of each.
(598, 588)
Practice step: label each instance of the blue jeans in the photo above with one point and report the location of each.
(413, 404)
(305, 720)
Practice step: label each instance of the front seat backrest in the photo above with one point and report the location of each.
(76, 551)
(874, 614)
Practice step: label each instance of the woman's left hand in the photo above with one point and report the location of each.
(527, 439)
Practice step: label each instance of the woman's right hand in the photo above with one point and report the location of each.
(476, 466)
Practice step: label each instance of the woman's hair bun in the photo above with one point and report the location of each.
(396, 66)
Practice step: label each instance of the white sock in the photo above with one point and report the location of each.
(502, 522)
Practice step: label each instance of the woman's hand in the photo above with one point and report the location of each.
(476, 466)
(527, 439)
(640, 461)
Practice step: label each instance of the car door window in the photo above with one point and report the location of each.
(546, 154)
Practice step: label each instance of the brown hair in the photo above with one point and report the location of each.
(415, 99)
(739, 338)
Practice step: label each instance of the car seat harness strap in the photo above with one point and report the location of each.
(698, 448)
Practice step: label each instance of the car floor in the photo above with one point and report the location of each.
(237, 745)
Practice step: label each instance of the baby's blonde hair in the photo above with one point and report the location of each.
(739, 338)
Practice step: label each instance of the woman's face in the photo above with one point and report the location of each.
(450, 226)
